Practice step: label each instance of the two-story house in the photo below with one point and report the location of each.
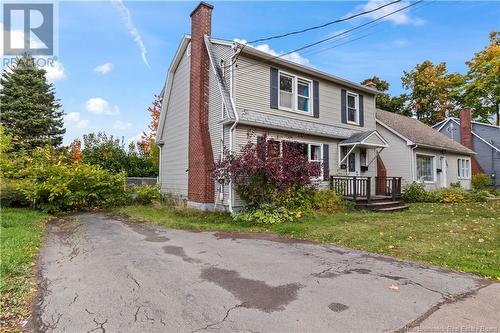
(221, 95)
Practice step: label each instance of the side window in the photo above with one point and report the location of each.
(352, 108)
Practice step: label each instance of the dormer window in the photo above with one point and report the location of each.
(294, 93)
(352, 108)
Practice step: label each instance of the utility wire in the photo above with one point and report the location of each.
(328, 38)
(310, 28)
(323, 25)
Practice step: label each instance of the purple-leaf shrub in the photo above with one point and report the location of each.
(260, 173)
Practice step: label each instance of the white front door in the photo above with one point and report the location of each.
(444, 172)
(353, 163)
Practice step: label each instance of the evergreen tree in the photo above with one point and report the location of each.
(30, 113)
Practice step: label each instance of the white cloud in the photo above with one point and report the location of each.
(136, 138)
(99, 105)
(55, 71)
(294, 56)
(402, 17)
(74, 118)
(120, 125)
(104, 68)
(127, 19)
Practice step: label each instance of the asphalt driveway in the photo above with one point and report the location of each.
(99, 274)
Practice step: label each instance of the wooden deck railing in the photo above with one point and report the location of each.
(390, 186)
(354, 186)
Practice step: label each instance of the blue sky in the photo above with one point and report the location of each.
(105, 84)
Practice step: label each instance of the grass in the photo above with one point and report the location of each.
(21, 233)
(463, 236)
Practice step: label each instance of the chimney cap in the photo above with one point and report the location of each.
(202, 4)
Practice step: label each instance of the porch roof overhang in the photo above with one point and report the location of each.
(369, 139)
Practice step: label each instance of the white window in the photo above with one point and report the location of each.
(294, 93)
(352, 108)
(286, 91)
(463, 168)
(425, 168)
(303, 94)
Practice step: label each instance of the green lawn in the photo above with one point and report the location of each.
(464, 237)
(21, 236)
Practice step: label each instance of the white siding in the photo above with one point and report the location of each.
(396, 157)
(252, 92)
(174, 153)
(400, 161)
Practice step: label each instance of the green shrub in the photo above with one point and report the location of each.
(478, 196)
(295, 198)
(266, 214)
(328, 201)
(10, 196)
(481, 181)
(415, 192)
(456, 184)
(145, 194)
(52, 183)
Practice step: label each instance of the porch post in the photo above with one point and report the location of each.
(394, 182)
(368, 189)
(354, 187)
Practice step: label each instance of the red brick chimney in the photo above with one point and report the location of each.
(466, 138)
(201, 161)
(466, 128)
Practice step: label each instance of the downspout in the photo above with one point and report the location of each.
(413, 167)
(236, 120)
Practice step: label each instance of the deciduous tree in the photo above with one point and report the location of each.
(482, 87)
(433, 92)
(383, 100)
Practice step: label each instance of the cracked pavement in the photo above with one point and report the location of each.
(100, 274)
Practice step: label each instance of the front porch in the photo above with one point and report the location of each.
(378, 193)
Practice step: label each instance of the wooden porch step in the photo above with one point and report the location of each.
(391, 209)
(380, 204)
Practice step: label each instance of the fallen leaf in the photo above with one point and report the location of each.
(390, 246)
(393, 287)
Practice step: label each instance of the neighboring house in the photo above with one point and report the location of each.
(418, 153)
(484, 139)
(219, 95)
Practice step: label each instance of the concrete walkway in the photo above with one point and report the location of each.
(99, 274)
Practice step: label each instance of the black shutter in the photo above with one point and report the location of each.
(361, 111)
(343, 106)
(316, 99)
(326, 162)
(274, 88)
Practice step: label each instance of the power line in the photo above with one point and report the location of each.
(308, 53)
(328, 38)
(311, 28)
(323, 25)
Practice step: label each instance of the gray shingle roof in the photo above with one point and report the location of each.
(419, 133)
(358, 137)
(281, 122)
